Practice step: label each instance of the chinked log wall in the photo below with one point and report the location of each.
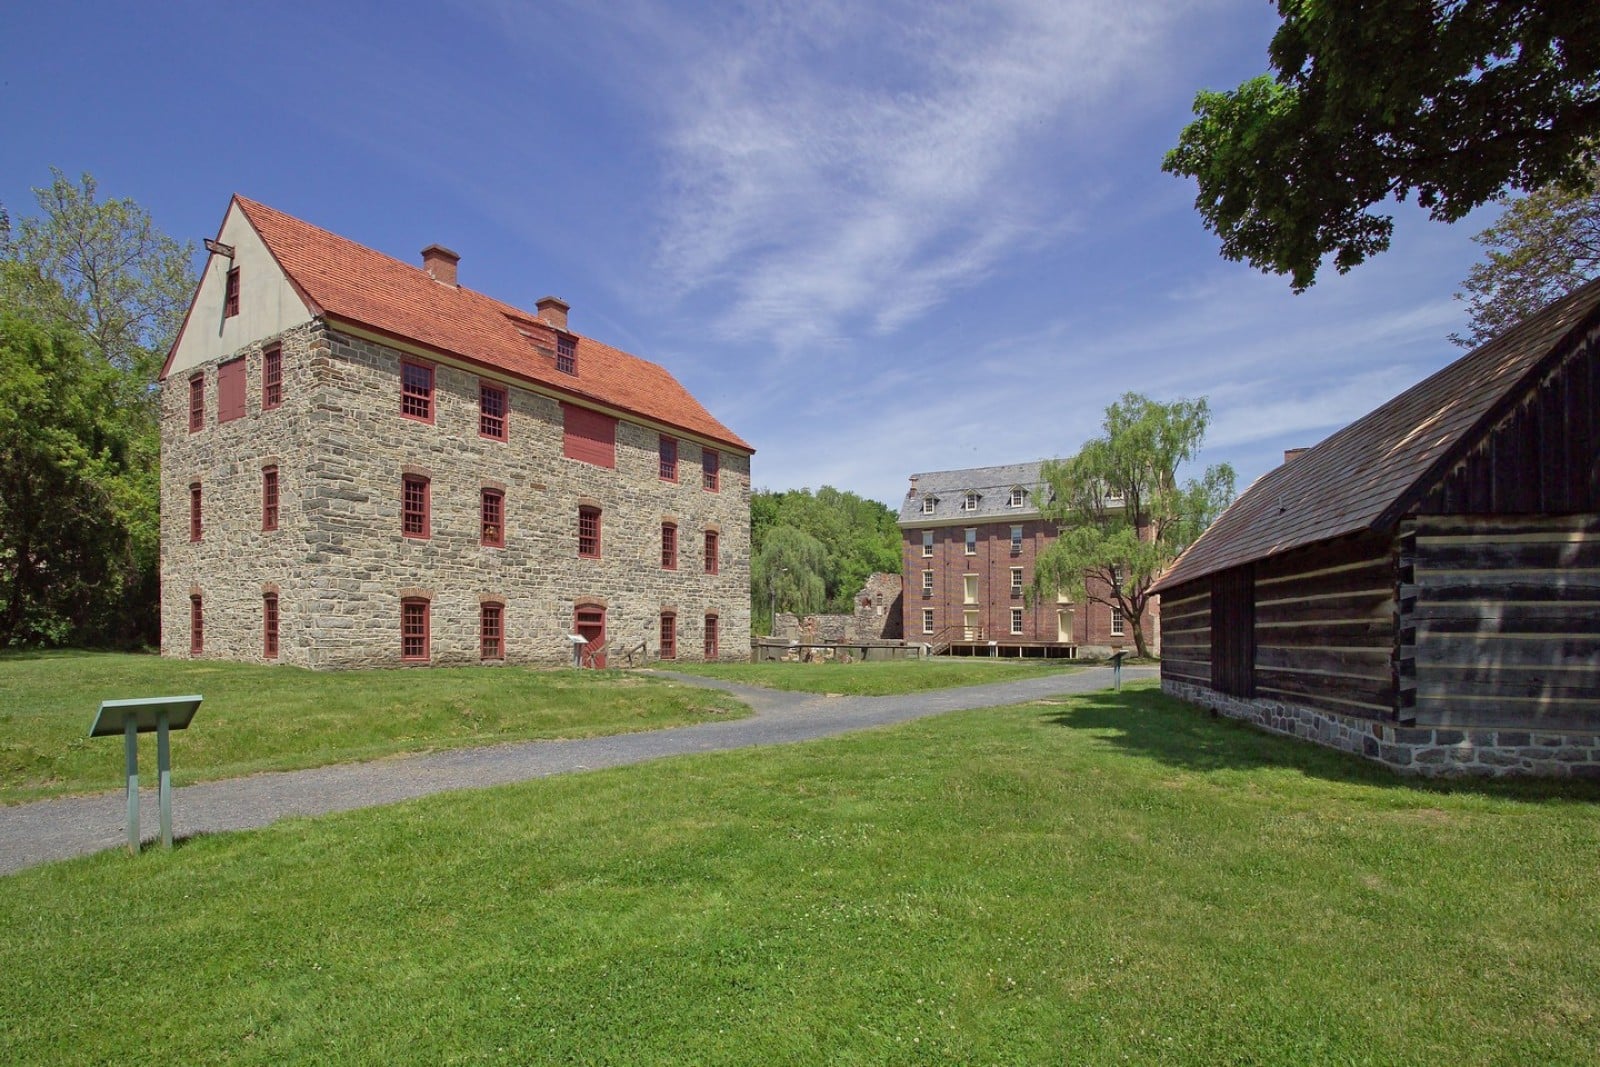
(1502, 621)
(1186, 633)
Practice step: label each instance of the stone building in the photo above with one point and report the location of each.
(875, 618)
(365, 463)
(969, 540)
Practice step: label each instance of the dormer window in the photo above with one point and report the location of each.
(970, 501)
(1017, 496)
(928, 504)
(566, 354)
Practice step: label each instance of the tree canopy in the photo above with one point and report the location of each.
(1453, 101)
(1122, 514)
(856, 536)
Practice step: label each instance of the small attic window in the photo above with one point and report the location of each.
(230, 296)
(928, 504)
(1017, 496)
(970, 501)
(566, 354)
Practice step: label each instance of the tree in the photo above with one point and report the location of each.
(787, 570)
(1454, 101)
(1544, 246)
(858, 537)
(1121, 513)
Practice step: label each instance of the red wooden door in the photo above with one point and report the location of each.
(591, 623)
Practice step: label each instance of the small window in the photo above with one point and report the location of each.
(197, 625)
(1017, 496)
(971, 538)
(269, 625)
(196, 528)
(927, 620)
(711, 637)
(927, 583)
(491, 630)
(414, 506)
(414, 629)
(712, 538)
(589, 532)
(969, 588)
(230, 297)
(1118, 623)
(416, 391)
(1016, 540)
(271, 378)
(230, 390)
(669, 546)
(669, 635)
(710, 469)
(492, 512)
(928, 504)
(197, 403)
(669, 458)
(927, 543)
(1016, 581)
(491, 411)
(1016, 620)
(566, 354)
(970, 502)
(269, 498)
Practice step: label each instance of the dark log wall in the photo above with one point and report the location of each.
(1186, 633)
(1233, 645)
(1325, 633)
(1502, 621)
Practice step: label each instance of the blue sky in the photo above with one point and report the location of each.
(873, 237)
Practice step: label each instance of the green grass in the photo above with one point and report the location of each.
(878, 678)
(1104, 879)
(259, 718)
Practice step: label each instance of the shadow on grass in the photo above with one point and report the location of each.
(1150, 724)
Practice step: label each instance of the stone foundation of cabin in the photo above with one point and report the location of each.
(1422, 750)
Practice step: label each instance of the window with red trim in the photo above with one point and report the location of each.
(491, 411)
(491, 630)
(566, 354)
(669, 458)
(230, 297)
(416, 391)
(197, 403)
(271, 378)
(589, 532)
(669, 546)
(230, 390)
(195, 524)
(197, 625)
(493, 511)
(669, 635)
(414, 506)
(269, 625)
(711, 637)
(414, 628)
(269, 498)
(710, 469)
(711, 551)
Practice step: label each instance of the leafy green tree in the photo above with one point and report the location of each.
(858, 536)
(1122, 514)
(1454, 101)
(787, 571)
(1542, 247)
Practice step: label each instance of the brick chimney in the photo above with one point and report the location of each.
(1293, 453)
(553, 309)
(440, 262)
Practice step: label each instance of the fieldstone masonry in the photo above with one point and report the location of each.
(338, 560)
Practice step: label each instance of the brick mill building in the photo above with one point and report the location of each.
(969, 539)
(365, 463)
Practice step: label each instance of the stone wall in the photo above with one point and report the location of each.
(1430, 752)
(341, 565)
(876, 618)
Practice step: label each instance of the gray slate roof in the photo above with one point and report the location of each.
(992, 484)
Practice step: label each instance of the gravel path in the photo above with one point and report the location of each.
(49, 830)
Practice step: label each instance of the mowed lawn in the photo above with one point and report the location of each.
(258, 718)
(1101, 879)
(877, 678)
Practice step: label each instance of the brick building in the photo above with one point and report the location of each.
(366, 463)
(969, 540)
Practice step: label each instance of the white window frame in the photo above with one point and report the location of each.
(970, 539)
(1016, 581)
(1016, 620)
(928, 504)
(969, 588)
(1119, 622)
(970, 501)
(927, 583)
(927, 544)
(1017, 496)
(927, 620)
(1016, 540)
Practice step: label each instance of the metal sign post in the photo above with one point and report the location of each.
(1116, 669)
(143, 715)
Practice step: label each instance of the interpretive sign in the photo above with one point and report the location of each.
(143, 715)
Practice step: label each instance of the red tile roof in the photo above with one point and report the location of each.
(1367, 474)
(352, 283)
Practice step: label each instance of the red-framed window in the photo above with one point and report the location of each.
(669, 458)
(669, 635)
(269, 498)
(196, 524)
(271, 378)
(230, 390)
(269, 625)
(711, 637)
(491, 630)
(414, 629)
(669, 546)
(710, 469)
(589, 532)
(197, 625)
(197, 403)
(415, 517)
(566, 354)
(416, 391)
(493, 513)
(230, 296)
(712, 539)
(492, 404)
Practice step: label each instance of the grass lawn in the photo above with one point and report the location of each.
(259, 718)
(876, 678)
(1103, 879)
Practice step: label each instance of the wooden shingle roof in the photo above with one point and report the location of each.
(1368, 474)
(346, 281)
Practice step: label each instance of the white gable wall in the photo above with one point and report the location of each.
(268, 304)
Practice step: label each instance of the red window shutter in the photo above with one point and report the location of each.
(230, 390)
(589, 436)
